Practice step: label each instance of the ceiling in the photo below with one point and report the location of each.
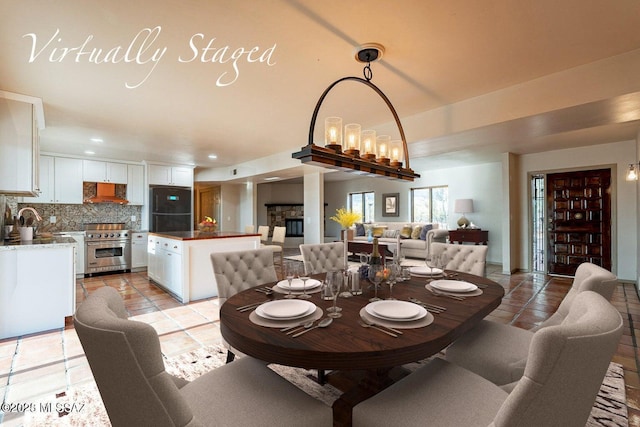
(469, 79)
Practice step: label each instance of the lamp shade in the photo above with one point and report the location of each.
(463, 206)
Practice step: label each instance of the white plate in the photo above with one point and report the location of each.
(285, 309)
(397, 311)
(296, 284)
(453, 286)
(425, 271)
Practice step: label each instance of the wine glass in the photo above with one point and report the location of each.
(392, 277)
(376, 274)
(432, 262)
(345, 280)
(442, 263)
(304, 277)
(334, 284)
(291, 270)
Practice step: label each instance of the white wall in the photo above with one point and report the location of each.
(230, 207)
(276, 193)
(624, 196)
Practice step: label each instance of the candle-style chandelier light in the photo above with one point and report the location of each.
(352, 149)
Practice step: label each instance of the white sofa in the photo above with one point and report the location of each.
(410, 247)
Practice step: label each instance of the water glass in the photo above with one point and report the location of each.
(354, 283)
(334, 284)
(291, 271)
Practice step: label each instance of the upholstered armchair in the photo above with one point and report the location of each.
(322, 257)
(498, 352)
(465, 258)
(127, 365)
(240, 270)
(565, 367)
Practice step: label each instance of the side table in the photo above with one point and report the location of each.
(476, 236)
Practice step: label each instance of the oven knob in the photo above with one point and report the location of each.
(90, 236)
(98, 236)
(111, 235)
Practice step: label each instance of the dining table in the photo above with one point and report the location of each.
(348, 346)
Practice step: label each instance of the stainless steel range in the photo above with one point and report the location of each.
(107, 247)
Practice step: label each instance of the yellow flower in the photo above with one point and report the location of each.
(345, 218)
(208, 221)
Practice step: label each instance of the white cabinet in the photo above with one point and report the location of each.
(135, 184)
(37, 288)
(60, 181)
(170, 175)
(18, 145)
(97, 171)
(166, 264)
(138, 251)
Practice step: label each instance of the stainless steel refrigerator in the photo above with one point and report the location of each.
(170, 209)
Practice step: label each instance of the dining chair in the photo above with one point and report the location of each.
(565, 368)
(498, 352)
(277, 245)
(127, 364)
(263, 230)
(464, 258)
(239, 270)
(249, 229)
(322, 257)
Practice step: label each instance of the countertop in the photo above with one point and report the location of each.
(200, 235)
(37, 243)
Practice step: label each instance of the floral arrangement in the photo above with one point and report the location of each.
(345, 217)
(208, 224)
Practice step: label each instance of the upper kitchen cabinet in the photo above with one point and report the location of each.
(170, 175)
(135, 184)
(96, 171)
(21, 118)
(61, 181)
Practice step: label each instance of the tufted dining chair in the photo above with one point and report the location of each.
(498, 352)
(323, 257)
(464, 258)
(240, 270)
(565, 367)
(127, 364)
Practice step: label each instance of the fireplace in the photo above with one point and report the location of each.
(294, 226)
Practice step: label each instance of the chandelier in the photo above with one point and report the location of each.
(359, 151)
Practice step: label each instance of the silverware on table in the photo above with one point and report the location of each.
(265, 290)
(297, 328)
(322, 324)
(442, 294)
(431, 307)
(366, 325)
(250, 306)
(388, 328)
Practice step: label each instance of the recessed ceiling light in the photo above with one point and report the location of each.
(212, 156)
(272, 178)
(89, 152)
(97, 140)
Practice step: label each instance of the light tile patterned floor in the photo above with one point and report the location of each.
(35, 366)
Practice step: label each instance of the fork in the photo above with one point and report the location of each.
(431, 307)
(366, 325)
(442, 294)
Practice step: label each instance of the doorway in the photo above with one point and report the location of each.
(578, 215)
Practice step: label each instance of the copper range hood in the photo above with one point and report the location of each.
(106, 193)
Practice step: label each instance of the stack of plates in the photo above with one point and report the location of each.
(425, 271)
(455, 286)
(297, 285)
(395, 310)
(285, 309)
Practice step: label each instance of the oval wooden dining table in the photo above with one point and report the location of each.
(347, 346)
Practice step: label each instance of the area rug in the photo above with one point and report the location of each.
(609, 410)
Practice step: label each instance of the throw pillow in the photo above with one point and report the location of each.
(390, 234)
(405, 233)
(415, 234)
(425, 230)
(360, 229)
(378, 231)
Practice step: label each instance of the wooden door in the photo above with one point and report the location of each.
(579, 220)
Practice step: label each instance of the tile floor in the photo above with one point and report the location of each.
(35, 366)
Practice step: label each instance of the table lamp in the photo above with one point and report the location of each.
(463, 206)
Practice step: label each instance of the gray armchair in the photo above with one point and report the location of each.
(322, 257)
(565, 368)
(126, 362)
(240, 270)
(498, 352)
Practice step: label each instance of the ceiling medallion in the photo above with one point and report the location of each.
(360, 151)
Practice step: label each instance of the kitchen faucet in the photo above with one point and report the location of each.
(38, 217)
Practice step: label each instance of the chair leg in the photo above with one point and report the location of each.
(230, 356)
(322, 377)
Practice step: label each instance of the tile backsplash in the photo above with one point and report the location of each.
(72, 217)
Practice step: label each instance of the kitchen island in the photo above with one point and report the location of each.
(37, 285)
(180, 261)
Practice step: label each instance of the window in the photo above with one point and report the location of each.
(362, 203)
(430, 204)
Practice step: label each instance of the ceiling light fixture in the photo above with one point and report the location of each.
(212, 156)
(360, 151)
(632, 173)
(97, 140)
(89, 152)
(272, 178)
